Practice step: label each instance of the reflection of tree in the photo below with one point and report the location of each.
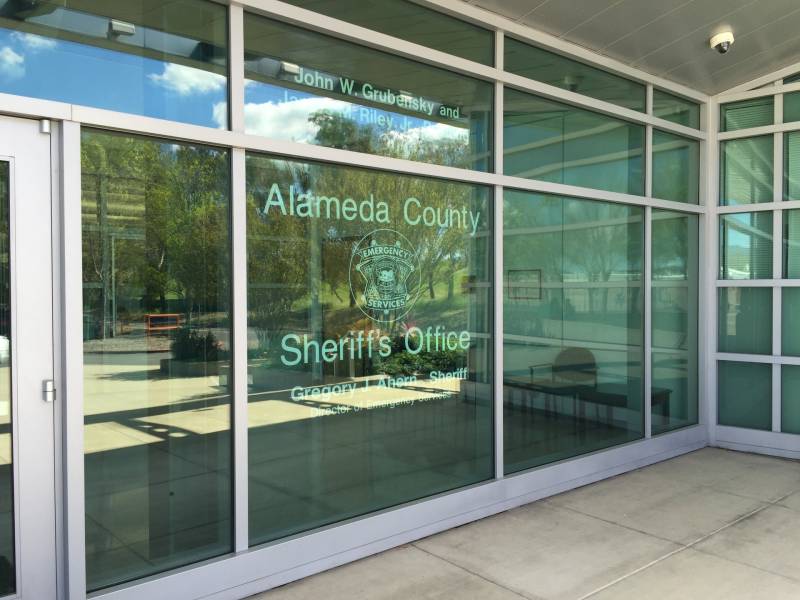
(155, 228)
(281, 295)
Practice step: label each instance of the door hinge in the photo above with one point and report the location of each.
(49, 390)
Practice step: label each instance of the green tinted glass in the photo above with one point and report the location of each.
(791, 159)
(791, 244)
(306, 87)
(745, 246)
(572, 342)
(676, 167)
(370, 355)
(412, 22)
(745, 320)
(156, 328)
(560, 143)
(790, 322)
(790, 399)
(674, 320)
(744, 395)
(756, 112)
(560, 71)
(746, 171)
(791, 107)
(675, 109)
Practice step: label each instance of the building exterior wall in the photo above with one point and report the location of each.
(555, 230)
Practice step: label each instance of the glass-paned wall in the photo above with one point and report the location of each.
(756, 112)
(790, 399)
(165, 59)
(745, 245)
(674, 355)
(560, 143)
(369, 341)
(675, 109)
(791, 165)
(7, 547)
(746, 171)
(791, 244)
(790, 321)
(791, 107)
(676, 167)
(156, 354)
(562, 72)
(573, 327)
(413, 22)
(306, 87)
(744, 395)
(745, 320)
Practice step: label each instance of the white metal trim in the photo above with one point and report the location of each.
(72, 320)
(648, 321)
(236, 67)
(238, 388)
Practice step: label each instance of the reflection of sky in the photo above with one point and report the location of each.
(283, 113)
(41, 67)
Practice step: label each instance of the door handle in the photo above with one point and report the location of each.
(49, 390)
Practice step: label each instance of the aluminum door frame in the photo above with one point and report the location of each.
(26, 145)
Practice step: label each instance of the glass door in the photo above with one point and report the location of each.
(27, 396)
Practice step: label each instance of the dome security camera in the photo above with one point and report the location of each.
(722, 42)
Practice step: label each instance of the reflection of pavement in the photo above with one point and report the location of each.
(148, 402)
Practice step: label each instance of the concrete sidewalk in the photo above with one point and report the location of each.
(710, 524)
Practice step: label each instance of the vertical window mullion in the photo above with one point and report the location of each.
(236, 68)
(499, 448)
(239, 413)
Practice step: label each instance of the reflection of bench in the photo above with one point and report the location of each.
(573, 374)
(161, 322)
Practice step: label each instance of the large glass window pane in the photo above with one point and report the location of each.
(745, 245)
(7, 552)
(573, 327)
(369, 320)
(791, 107)
(791, 159)
(755, 112)
(162, 59)
(744, 395)
(156, 310)
(412, 22)
(675, 109)
(790, 399)
(791, 244)
(674, 320)
(560, 143)
(746, 171)
(560, 71)
(306, 87)
(790, 322)
(676, 167)
(745, 320)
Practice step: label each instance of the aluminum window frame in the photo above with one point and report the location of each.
(249, 570)
(773, 442)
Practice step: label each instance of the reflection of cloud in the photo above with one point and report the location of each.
(12, 65)
(33, 41)
(436, 132)
(287, 120)
(188, 80)
(219, 115)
